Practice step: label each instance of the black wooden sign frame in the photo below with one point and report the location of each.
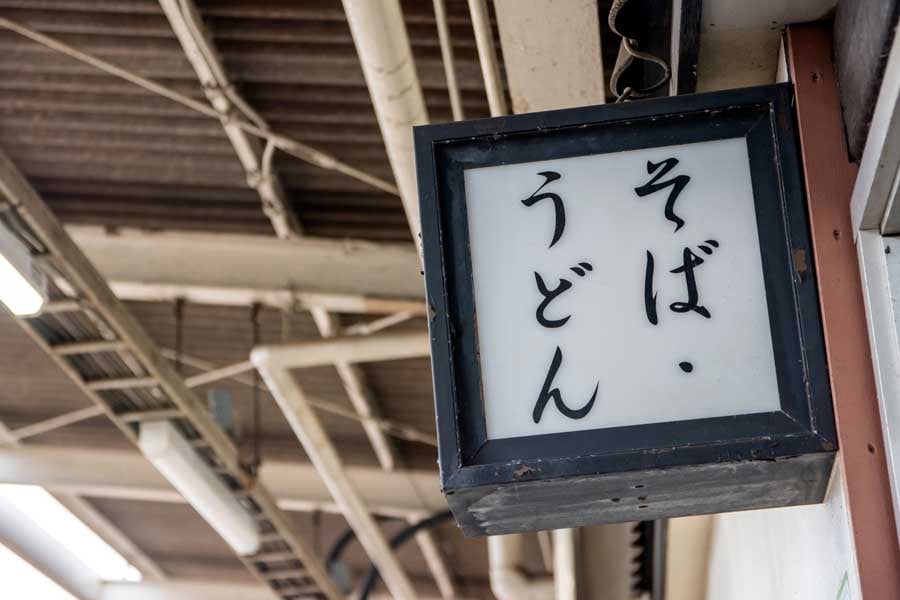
(644, 471)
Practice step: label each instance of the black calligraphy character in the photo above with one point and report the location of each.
(677, 183)
(554, 394)
(649, 294)
(692, 261)
(533, 199)
(550, 295)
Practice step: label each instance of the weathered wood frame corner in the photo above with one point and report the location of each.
(638, 472)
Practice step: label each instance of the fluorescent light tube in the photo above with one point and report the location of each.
(35, 503)
(21, 580)
(23, 289)
(178, 462)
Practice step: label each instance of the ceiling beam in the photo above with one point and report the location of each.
(339, 275)
(360, 394)
(552, 53)
(289, 395)
(201, 53)
(382, 43)
(296, 486)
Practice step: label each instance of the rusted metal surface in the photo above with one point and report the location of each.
(829, 184)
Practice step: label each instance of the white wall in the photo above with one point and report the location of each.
(797, 553)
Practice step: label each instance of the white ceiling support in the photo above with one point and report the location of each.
(551, 51)
(688, 542)
(276, 372)
(382, 43)
(565, 555)
(378, 324)
(53, 423)
(184, 590)
(354, 349)
(436, 562)
(487, 56)
(81, 275)
(360, 394)
(874, 202)
(118, 474)
(44, 553)
(508, 581)
(198, 47)
(440, 18)
(341, 276)
(880, 271)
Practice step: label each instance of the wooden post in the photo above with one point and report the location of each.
(829, 179)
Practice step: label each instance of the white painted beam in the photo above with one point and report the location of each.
(875, 190)
(382, 43)
(437, 564)
(360, 394)
(126, 474)
(551, 51)
(487, 57)
(318, 446)
(342, 276)
(354, 349)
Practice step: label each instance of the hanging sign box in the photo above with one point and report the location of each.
(624, 315)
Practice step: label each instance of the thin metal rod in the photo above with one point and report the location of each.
(211, 375)
(286, 144)
(487, 56)
(377, 325)
(57, 422)
(440, 17)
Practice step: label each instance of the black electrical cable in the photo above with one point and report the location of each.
(334, 554)
(398, 540)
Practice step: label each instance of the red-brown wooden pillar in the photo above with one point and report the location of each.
(829, 179)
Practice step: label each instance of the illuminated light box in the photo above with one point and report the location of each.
(625, 322)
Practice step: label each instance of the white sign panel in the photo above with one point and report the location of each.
(619, 289)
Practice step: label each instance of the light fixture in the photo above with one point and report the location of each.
(178, 462)
(57, 521)
(23, 288)
(21, 580)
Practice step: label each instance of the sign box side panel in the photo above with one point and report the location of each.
(642, 495)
